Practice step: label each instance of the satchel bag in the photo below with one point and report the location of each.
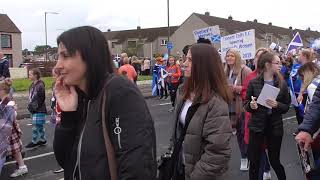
(168, 161)
(110, 150)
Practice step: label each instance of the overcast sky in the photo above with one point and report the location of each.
(28, 15)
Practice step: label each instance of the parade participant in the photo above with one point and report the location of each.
(128, 70)
(146, 66)
(156, 77)
(106, 130)
(310, 74)
(4, 67)
(201, 110)
(37, 108)
(266, 124)
(298, 94)
(236, 72)
(264, 172)
(7, 109)
(173, 77)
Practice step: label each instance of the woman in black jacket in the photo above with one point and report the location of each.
(266, 124)
(87, 148)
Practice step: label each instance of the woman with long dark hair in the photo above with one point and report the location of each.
(106, 130)
(201, 110)
(265, 123)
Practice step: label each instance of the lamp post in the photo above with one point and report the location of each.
(168, 27)
(45, 26)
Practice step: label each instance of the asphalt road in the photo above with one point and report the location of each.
(41, 161)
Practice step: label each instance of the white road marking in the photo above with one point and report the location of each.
(288, 118)
(163, 104)
(31, 157)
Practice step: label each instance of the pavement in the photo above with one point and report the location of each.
(22, 98)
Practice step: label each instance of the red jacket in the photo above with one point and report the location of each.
(243, 95)
(176, 73)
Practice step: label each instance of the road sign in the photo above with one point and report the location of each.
(169, 45)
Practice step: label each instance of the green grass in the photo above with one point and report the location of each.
(144, 77)
(23, 84)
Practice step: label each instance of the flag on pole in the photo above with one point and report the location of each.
(164, 74)
(295, 43)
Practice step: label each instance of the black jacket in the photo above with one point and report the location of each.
(260, 119)
(136, 150)
(4, 68)
(37, 93)
(311, 121)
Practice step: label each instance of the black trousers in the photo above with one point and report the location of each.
(173, 92)
(164, 91)
(256, 140)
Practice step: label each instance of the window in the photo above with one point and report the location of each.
(132, 44)
(269, 38)
(6, 41)
(163, 42)
(113, 44)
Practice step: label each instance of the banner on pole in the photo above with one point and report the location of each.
(243, 41)
(212, 33)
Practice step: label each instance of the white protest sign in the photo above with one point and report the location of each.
(212, 33)
(243, 41)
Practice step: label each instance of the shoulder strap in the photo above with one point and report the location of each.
(191, 111)
(110, 151)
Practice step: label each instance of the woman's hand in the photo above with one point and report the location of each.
(272, 103)
(304, 139)
(253, 103)
(66, 96)
(236, 89)
(300, 98)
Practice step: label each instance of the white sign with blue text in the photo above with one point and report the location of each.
(212, 33)
(243, 41)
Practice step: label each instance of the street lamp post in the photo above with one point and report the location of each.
(46, 34)
(168, 27)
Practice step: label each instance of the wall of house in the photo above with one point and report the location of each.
(147, 51)
(16, 49)
(184, 34)
(161, 49)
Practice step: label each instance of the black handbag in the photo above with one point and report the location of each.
(169, 160)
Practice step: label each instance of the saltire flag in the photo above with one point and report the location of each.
(295, 43)
(293, 73)
(154, 85)
(164, 74)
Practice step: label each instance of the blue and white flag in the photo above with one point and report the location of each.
(295, 43)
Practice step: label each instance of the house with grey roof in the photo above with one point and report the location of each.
(10, 41)
(146, 42)
(153, 40)
(265, 34)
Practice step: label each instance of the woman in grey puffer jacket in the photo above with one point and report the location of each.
(202, 101)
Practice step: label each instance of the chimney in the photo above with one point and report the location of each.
(290, 27)
(270, 23)
(109, 30)
(138, 27)
(230, 17)
(255, 20)
(207, 13)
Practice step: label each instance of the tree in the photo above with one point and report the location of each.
(41, 49)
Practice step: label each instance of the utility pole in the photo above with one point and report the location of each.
(168, 27)
(46, 33)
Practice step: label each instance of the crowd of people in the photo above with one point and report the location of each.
(104, 130)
